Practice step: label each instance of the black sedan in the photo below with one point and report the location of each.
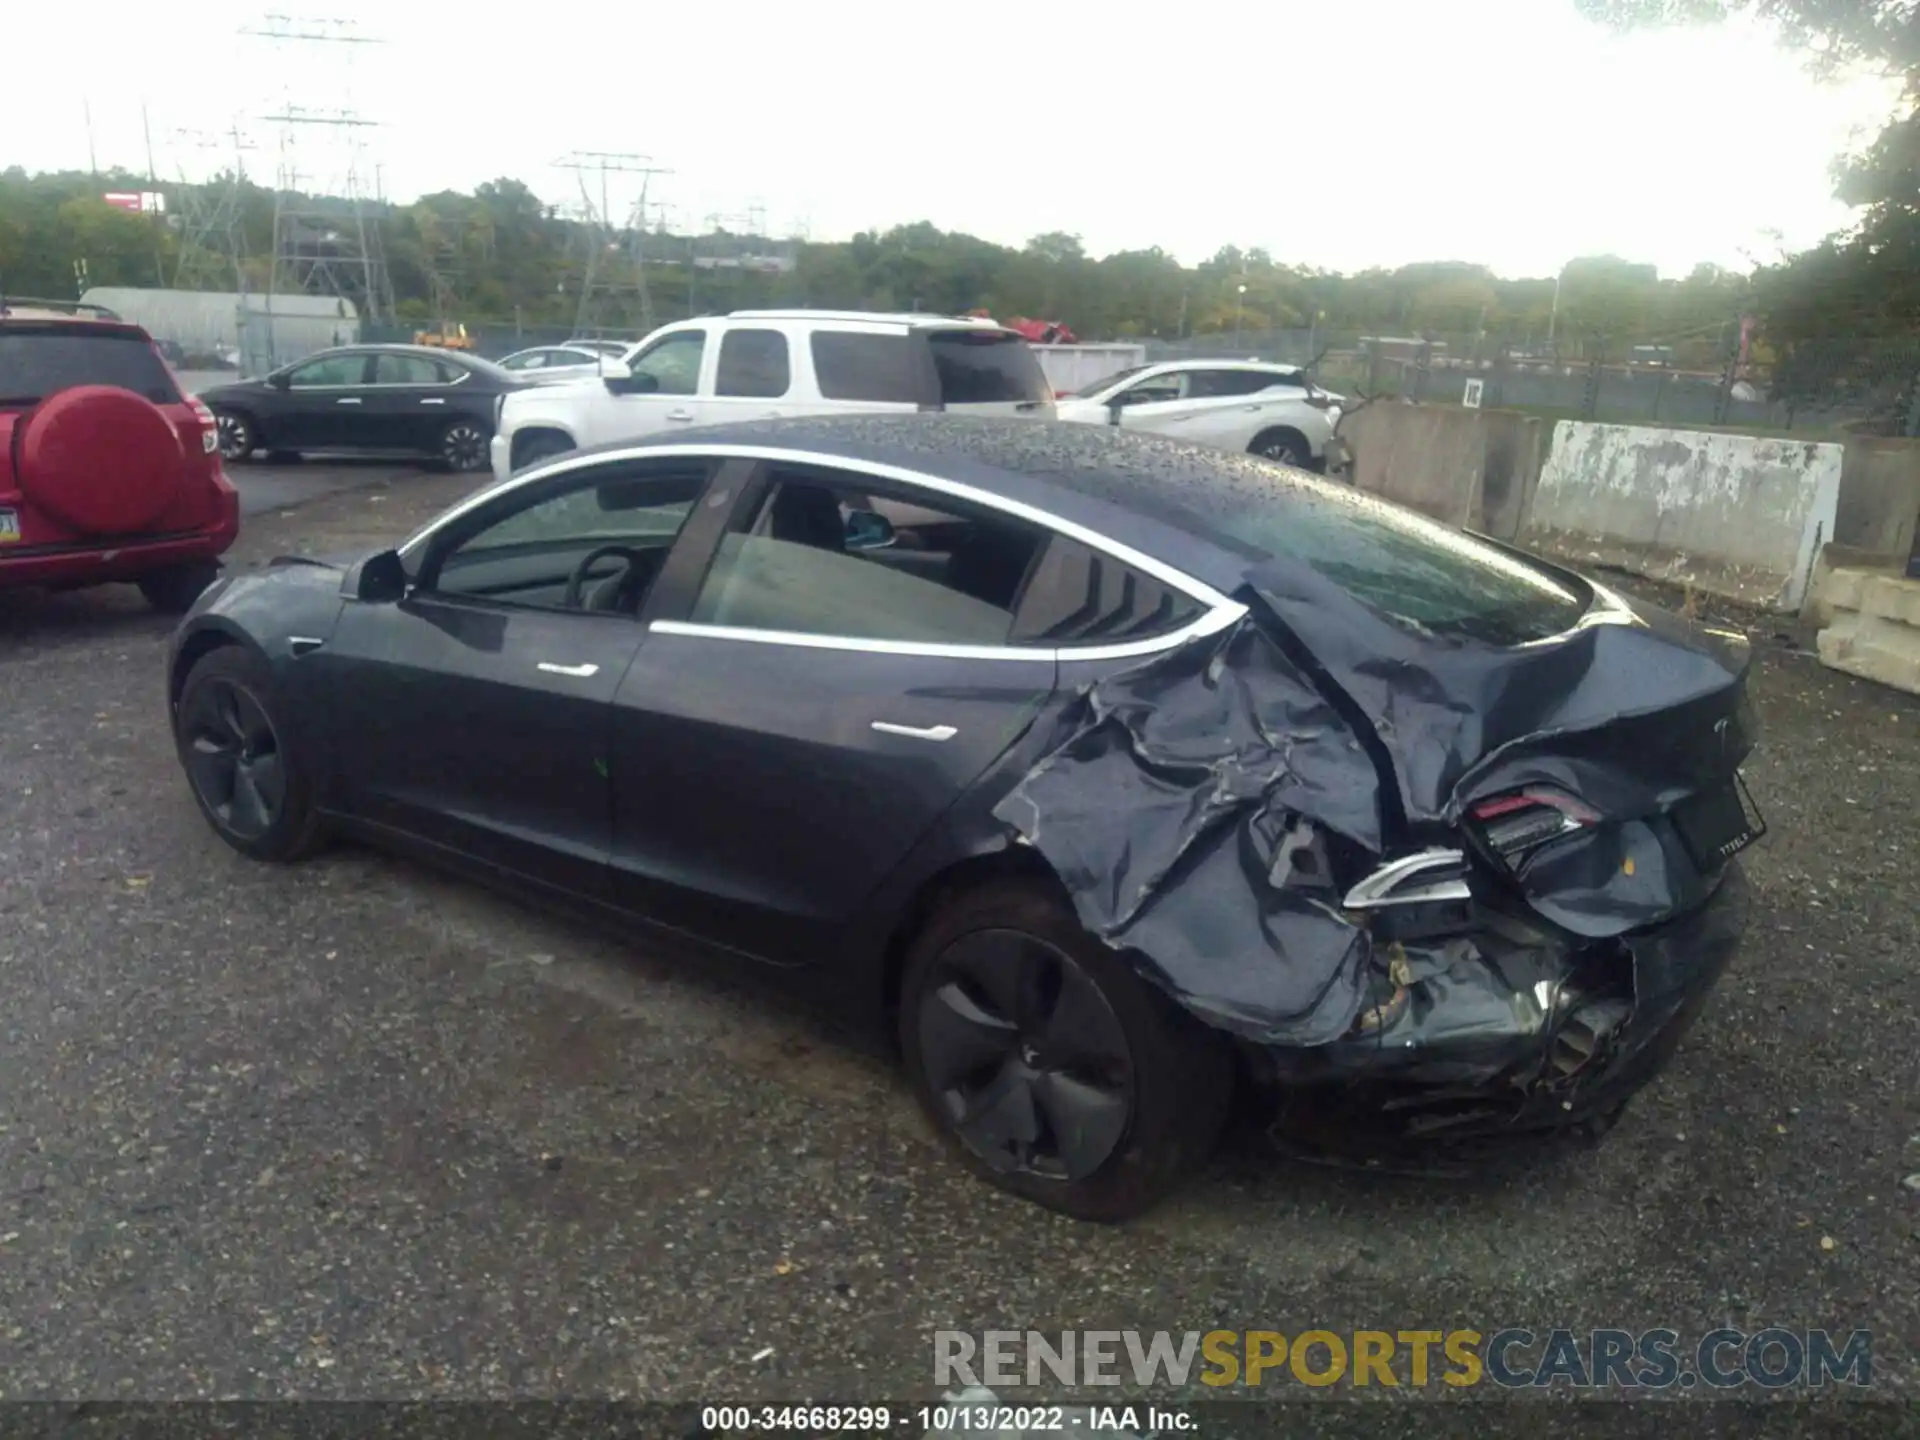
(378, 399)
(1109, 774)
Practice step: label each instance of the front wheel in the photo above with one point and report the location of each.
(1052, 1069)
(463, 446)
(538, 448)
(233, 743)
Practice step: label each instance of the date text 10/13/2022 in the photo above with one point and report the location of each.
(953, 1418)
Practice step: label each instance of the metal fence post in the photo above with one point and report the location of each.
(1420, 370)
(1590, 401)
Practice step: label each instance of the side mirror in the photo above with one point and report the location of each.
(379, 579)
(869, 530)
(1114, 407)
(280, 380)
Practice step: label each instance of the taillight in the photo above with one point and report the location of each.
(1516, 825)
(209, 427)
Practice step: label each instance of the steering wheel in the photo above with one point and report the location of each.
(630, 558)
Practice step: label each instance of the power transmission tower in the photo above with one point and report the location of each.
(209, 210)
(326, 238)
(610, 291)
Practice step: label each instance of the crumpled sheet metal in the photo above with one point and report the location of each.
(1169, 805)
(1462, 720)
(1176, 791)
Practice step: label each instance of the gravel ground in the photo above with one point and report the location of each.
(352, 1130)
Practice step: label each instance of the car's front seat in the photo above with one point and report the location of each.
(807, 515)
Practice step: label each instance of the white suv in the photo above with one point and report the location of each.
(755, 364)
(1271, 410)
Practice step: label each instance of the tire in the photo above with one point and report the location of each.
(228, 725)
(1288, 447)
(173, 590)
(1014, 950)
(238, 437)
(540, 447)
(462, 446)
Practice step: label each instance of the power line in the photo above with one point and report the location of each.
(209, 212)
(603, 297)
(326, 240)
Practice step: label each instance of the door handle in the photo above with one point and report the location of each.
(578, 672)
(433, 400)
(679, 415)
(348, 400)
(916, 732)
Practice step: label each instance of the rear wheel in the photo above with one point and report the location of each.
(173, 590)
(463, 446)
(1050, 1067)
(238, 438)
(233, 743)
(1289, 447)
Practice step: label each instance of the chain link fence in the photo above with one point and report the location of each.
(1839, 386)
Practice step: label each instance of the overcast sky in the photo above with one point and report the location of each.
(1342, 135)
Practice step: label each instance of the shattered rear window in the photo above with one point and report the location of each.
(1414, 570)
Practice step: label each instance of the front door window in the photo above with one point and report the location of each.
(673, 364)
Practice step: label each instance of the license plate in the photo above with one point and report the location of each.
(1719, 823)
(9, 526)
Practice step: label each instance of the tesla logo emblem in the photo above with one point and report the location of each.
(1720, 731)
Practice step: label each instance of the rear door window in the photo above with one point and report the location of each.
(946, 576)
(1217, 383)
(410, 370)
(753, 364)
(987, 367)
(850, 365)
(38, 361)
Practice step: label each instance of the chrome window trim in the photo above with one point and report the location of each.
(1218, 613)
(1208, 623)
(784, 455)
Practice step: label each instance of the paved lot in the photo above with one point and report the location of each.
(265, 488)
(350, 1129)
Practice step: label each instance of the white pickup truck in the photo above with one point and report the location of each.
(754, 364)
(1248, 405)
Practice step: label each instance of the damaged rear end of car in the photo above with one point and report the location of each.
(1444, 837)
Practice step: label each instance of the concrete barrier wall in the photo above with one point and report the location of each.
(1872, 626)
(1879, 498)
(1475, 469)
(1735, 515)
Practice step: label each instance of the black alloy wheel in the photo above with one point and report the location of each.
(237, 440)
(1049, 1065)
(236, 765)
(244, 776)
(463, 446)
(1029, 1059)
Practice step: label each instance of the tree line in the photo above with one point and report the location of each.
(501, 255)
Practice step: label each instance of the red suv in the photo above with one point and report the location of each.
(107, 471)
